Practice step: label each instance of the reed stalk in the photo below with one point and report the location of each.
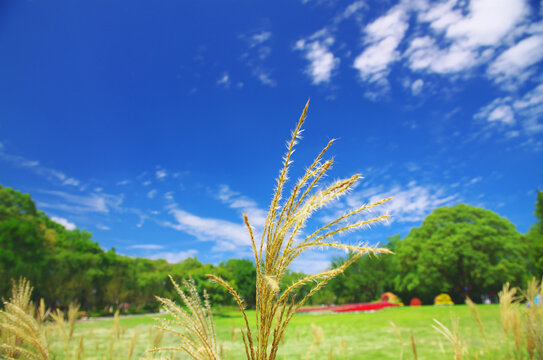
(282, 240)
(452, 335)
(22, 336)
(477, 316)
(399, 335)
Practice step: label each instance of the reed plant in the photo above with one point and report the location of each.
(453, 336)
(20, 333)
(58, 318)
(477, 316)
(400, 338)
(282, 240)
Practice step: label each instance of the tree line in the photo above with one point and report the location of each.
(461, 250)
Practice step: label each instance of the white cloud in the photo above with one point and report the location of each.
(411, 203)
(161, 174)
(70, 181)
(416, 86)
(526, 110)
(352, 9)
(103, 227)
(146, 246)
(513, 65)
(259, 38)
(487, 22)
(224, 80)
(258, 51)
(98, 203)
(174, 257)
(312, 262)
(382, 38)
(123, 182)
(146, 183)
(228, 236)
(264, 77)
(62, 221)
(498, 111)
(502, 113)
(424, 54)
(151, 194)
(235, 200)
(322, 61)
(34, 166)
(471, 34)
(530, 109)
(168, 195)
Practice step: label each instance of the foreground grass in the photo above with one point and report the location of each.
(344, 336)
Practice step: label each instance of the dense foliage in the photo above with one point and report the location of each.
(461, 250)
(66, 266)
(534, 240)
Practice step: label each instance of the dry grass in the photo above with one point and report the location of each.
(477, 316)
(522, 322)
(453, 336)
(414, 346)
(198, 334)
(73, 309)
(282, 241)
(21, 333)
(399, 335)
(533, 324)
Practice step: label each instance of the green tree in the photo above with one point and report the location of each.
(462, 250)
(243, 274)
(367, 278)
(534, 240)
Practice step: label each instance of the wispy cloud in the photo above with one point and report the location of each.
(498, 111)
(34, 166)
(505, 112)
(161, 173)
(322, 62)
(174, 257)
(382, 38)
(224, 80)
(259, 38)
(410, 203)
(152, 193)
(312, 262)
(256, 56)
(350, 10)
(416, 86)
(515, 65)
(146, 246)
(124, 182)
(89, 203)
(64, 222)
(227, 235)
(462, 36)
(235, 200)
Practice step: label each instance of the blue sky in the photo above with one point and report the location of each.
(155, 125)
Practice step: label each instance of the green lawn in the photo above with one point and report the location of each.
(346, 336)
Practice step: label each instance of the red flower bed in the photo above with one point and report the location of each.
(351, 307)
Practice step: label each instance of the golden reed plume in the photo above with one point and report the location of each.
(282, 241)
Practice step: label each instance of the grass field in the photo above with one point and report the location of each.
(344, 336)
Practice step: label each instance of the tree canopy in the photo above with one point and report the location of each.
(534, 240)
(463, 250)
